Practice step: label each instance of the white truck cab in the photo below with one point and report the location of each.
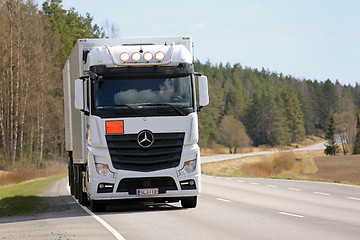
(131, 122)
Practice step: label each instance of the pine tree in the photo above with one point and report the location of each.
(294, 114)
(331, 147)
(356, 149)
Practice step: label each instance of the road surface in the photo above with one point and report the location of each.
(228, 208)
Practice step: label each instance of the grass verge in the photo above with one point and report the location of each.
(23, 198)
(285, 165)
(304, 165)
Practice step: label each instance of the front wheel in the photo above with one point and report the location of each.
(189, 202)
(83, 200)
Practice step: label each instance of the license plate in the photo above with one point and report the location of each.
(147, 192)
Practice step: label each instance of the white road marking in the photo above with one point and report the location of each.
(294, 189)
(221, 199)
(102, 222)
(229, 179)
(274, 186)
(105, 224)
(254, 183)
(240, 181)
(321, 193)
(352, 198)
(291, 214)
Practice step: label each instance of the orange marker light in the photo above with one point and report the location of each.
(114, 127)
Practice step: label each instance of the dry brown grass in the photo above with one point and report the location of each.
(299, 165)
(285, 165)
(17, 176)
(271, 167)
(219, 149)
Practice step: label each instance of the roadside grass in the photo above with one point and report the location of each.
(217, 149)
(282, 165)
(22, 174)
(23, 198)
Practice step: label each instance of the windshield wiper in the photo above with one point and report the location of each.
(121, 105)
(164, 104)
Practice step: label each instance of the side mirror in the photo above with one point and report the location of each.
(203, 91)
(79, 94)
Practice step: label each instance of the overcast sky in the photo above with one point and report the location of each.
(311, 39)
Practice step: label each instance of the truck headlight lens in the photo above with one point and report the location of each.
(103, 170)
(148, 56)
(160, 56)
(136, 57)
(124, 57)
(188, 167)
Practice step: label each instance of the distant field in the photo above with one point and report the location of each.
(307, 165)
(338, 168)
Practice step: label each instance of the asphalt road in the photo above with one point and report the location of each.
(228, 208)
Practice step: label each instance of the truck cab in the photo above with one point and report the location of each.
(131, 122)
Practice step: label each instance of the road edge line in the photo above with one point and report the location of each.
(100, 220)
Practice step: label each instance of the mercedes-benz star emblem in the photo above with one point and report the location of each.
(145, 138)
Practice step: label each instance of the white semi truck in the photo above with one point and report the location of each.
(131, 122)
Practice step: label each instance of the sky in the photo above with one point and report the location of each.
(307, 39)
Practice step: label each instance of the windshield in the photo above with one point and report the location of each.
(144, 96)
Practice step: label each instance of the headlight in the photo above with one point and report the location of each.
(148, 56)
(188, 167)
(103, 170)
(136, 57)
(159, 56)
(124, 57)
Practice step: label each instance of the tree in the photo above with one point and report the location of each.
(29, 83)
(293, 114)
(356, 149)
(345, 123)
(331, 147)
(69, 26)
(232, 134)
(265, 120)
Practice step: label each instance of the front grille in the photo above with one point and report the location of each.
(127, 154)
(131, 184)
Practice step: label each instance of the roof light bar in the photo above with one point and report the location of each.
(136, 57)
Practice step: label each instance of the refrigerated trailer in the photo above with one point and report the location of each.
(131, 120)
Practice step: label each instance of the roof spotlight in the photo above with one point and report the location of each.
(124, 57)
(159, 56)
(136, 57)
(148, 56)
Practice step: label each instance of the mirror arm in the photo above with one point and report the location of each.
(87, 113)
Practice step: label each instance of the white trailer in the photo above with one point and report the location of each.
(131, 122)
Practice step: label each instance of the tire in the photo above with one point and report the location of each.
(71, 176)
(189, 202)
(97, 206)
(83, 200)
(76, 181)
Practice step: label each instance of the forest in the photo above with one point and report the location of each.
(264, 107)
